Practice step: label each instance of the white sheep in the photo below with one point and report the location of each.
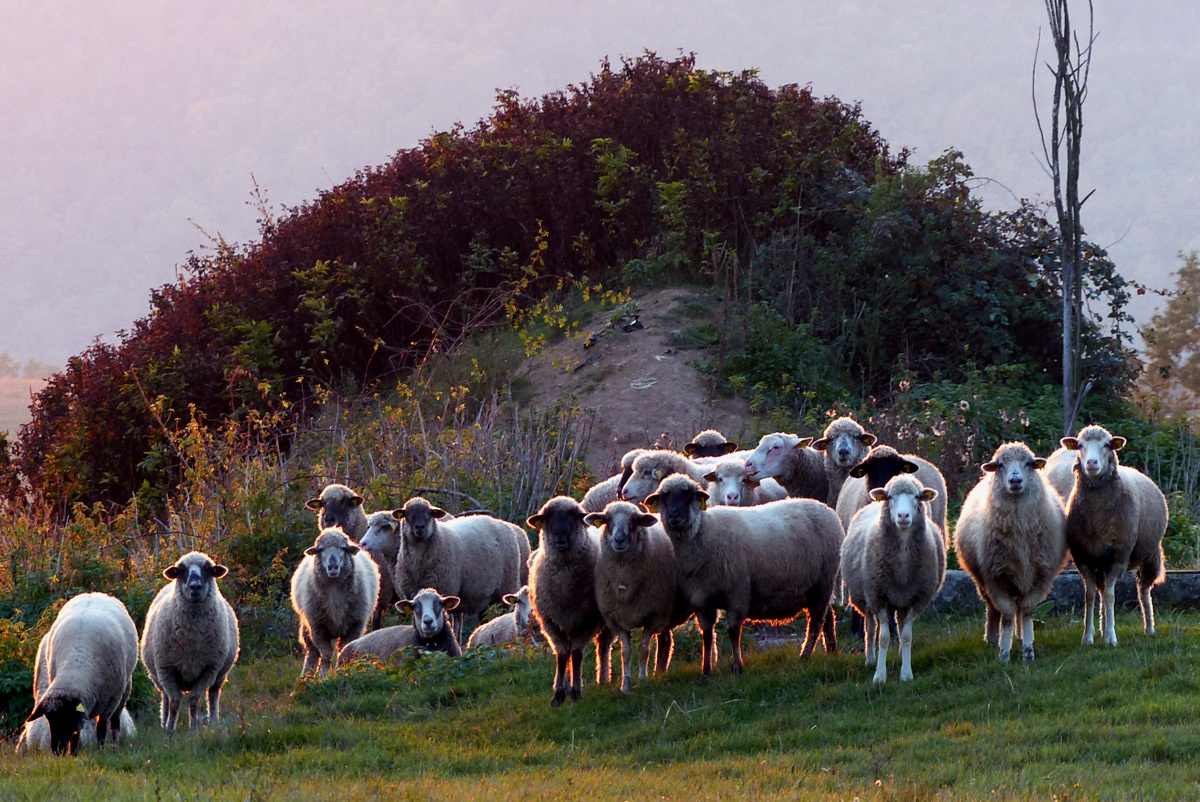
(729, 486)
(709, 443)
(651, 467)
(893, 561)
(477, 558)
(877, 469)
(512, 626)
(768, 562)
(1116, 518)
(430, 630)
(845, 444)
(333, 591)
(636, 585)
(1060, 471)
(35, 735)
(190, 640)
(340, 506)
(382, 542)
(787, 459)
(84, 670)
(1011, 539)
(604, 493)
(562, 587)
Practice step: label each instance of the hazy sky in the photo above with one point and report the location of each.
(123, 123)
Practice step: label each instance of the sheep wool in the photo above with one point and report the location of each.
(845, 444)
(787, 459)
(430, 630)
(340, 506)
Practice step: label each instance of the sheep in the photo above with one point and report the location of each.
(35, 736)
(430, 630)
(334, 590)
(511, 626)
(84, 670)
(604, 493)
(845, 444)
(1011, 539)
(338, 505)
(709, 443)
(876, 470)
(190, 639)
(382, 542)
(767, 562)
(636, 585)
(562, 588)
(651, 467)
(729, 486)
(477, 558)
(893, 561)
(1060, 471)
(788, 459)
(1116, 518)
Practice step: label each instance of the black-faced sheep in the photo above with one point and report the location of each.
(709, 443)
(190, 640)
(845, 444)
(788, 460)
(513, 626)
(333, 591)
(1011, 539)
(35, 736)
(893, 561)
(430, 630)
(562, 587)
(728, 485)
(877, 469)
(382, 542)
(340, 506)
(477, 558)
(604, 493)
(1116, 517)
(636, 585)
(85, 662)
(757, 563)
(651, 467)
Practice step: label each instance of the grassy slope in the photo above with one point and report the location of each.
(1078, 723)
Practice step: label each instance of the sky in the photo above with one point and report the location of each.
(134, 132)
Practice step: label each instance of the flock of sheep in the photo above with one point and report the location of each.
(763, 535)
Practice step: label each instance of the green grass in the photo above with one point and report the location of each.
(1078, 723)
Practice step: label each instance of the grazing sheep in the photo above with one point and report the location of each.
(338, 505)
(788, 460)
(333, 591)
(651, 467)
(709, 443)
(190, 640)
(477, 558)
(877, 469)
(604, 493)
(84, 670)
(1116, 517)
(1060, 471)
(562, 587)
(1011, 538)
(845, 444)
(636, 585)
(430, 630)
(893, 561)
(512, 626)
(382, 542)
(35, 736)
(729, 486)
(757, 563)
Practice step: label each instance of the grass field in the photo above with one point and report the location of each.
(1078, 723)
(14, 401)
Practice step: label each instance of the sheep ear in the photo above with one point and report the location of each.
(438, 512)
(711, 476)
(878, 494)
(171, 571)
(595, 519)
(219, 571)
(39, 710)
(356, 501)
(650, 502)
(868, 439)
(928, 494)
(398, 514)
(990, 467)
(1070, 443)
(510, 598)
(310, 551)
(352, 549)
(646, 520)
(803, 442)
(314, 503)
(703, 496)
(858, 471)
(822, 444)
(1117, 443)
(534, 521)
(689, 449)
(752, 484)
(450, 602)
(909, 467)
(729, 447)
(404, 605)
(1039, 463)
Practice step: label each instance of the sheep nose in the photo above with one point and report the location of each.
(733, 498)
(903, 518)
(428, 622)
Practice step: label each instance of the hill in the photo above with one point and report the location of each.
(16, 394)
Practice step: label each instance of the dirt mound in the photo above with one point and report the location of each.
(642, 386)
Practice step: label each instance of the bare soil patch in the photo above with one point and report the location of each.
(15, 397)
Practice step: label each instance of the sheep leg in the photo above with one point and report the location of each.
(1145, 581)
(733, 623)
(1006, 633)
(1110, 601)
(666, 646)
(194, 709)
(1026, 620)
(101, 730)
(707, 621)
(885, 636)
(991, 626)
(114, 726)
(644, 653)
(604, 642)
(906, 646)
(1089, 606)
(813, 629)
(870, 630)
(829, 632)
(560, 676)
(576, 691)
(627, 659)
(311, 656)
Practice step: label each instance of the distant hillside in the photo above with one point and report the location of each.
(15, 397)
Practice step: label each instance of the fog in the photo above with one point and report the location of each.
(134, 132)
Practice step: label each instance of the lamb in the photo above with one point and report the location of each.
(35, 736)
(1116, 518)
(382, 542)
(477, 558)
(788, 459)
(636, 585)
(709, 443)
(651, 467)
(84, 670)
(763, 563)
(604, 493)
(1060, 471)
(430, 630)
(334, 590)
(879, 467)
(190, 640)
(338, 505)
(512, 626)
(562, 587)
(729, 486)
(845, 444)
(893, 561)
(1011, 539)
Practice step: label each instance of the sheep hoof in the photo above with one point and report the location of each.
(879, 678)
(1027, 653)
(1150, 630)
(576, 694)
(1004, 655)
(1087, 639)
(906, 676)
(558, 698)
(626, 687)
(1110, 641)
